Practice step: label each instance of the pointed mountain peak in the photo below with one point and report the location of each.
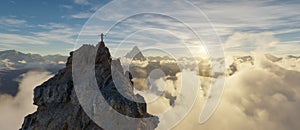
(135, 54)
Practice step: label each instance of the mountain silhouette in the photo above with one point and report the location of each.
(135, 54)
(59, 107)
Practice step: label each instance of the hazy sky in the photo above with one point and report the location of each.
(50, 27)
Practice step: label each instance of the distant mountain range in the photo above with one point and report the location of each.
(14, 63)
(12, 60)
(240, 62)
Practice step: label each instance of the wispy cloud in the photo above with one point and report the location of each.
(67, 6)
(61, 35)
(40, 36)
(12, 2)
(81, 15)
(252, 16)
(251, 41)
(47, 33)
(260, 42)
(261, 19)
(10, 21)
(228, 18)
(232, 15)
(51, 26)
(81, 2)
(19, 39)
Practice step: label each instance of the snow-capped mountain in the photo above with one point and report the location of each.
(12, 60)
(238, 63)
(135, 54)
(13, 64)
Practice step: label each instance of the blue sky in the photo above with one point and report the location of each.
(43, 26)
(52, 27)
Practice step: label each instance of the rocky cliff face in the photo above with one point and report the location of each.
(240, 62)
(59, 107)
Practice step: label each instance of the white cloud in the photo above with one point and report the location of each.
(67, 6)
(253, 15)
(11, 21)
(46, 35)
(227, 17)
(55, 32)
(81, 15)
(52, 26)
(14, 109)
(231, 18)
(260, 42)
(262, 97)
(62, 35)
(8, 64)
(20, 39)
(81, 2)
(248, 42)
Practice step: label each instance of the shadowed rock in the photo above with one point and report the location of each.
(59, 108)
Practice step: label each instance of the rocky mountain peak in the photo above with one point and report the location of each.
(135, 54)
(239, 62)
(59, 107)
(273, 58)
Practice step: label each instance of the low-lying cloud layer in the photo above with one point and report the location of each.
(14, 109)
(261, 94)
(262, 97)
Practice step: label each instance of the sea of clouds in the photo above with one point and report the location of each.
(265, 95)
(14, 109)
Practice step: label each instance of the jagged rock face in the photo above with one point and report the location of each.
(238, 63)
(107, 70)
(273, 58)
(293, 57)
(59, 108)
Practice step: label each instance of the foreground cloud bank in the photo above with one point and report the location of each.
(263, 96)
(14, 109)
